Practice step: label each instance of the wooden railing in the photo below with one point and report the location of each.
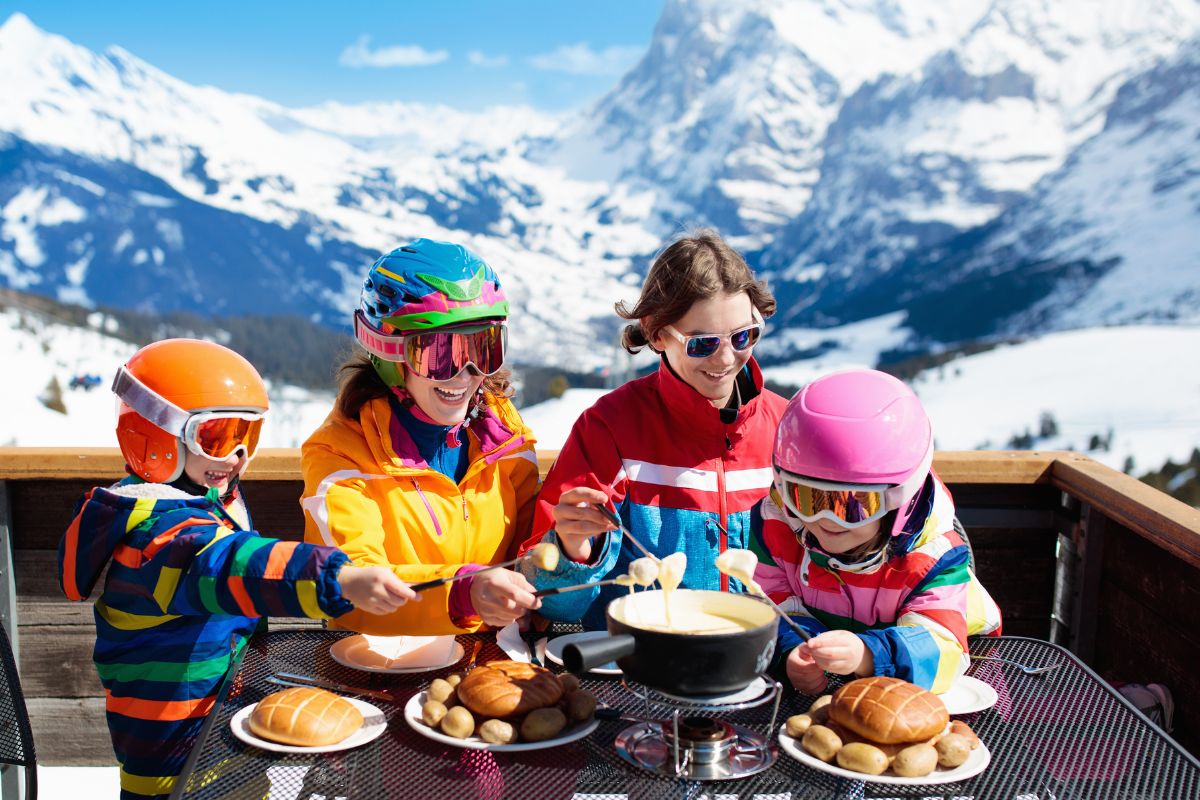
(1072, 551)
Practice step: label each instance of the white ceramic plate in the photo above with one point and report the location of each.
(344, 652)
(412, 713)
(374, 724)
(555, 647)
(975, 764)
(968, 695)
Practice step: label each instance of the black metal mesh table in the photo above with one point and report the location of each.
(1066, 734)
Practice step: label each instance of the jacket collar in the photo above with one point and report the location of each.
(694, 410)
(491, 435)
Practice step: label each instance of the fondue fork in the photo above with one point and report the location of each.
(573, 588)
(612, 517)
(420, 587)
(292, 679)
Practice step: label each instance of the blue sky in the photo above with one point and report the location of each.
(465, 53)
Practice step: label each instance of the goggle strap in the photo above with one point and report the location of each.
(897, 496)
(148, 403)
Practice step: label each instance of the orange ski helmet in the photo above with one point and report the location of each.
(185, 394)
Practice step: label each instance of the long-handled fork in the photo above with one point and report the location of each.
(1028, 670)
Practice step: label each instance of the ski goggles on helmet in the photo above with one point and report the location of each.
(214, 433)
(850, 505)
(438, 355)
(703, 345)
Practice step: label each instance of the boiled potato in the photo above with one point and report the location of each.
(862, 757)
(454, 679)
(440, 690)
(960, 727)
(497, 731)
(432, 712)
(458, 723)
(542, 724)
(569, 682)
(915, 761)
(953, 750)
(819, 710)
(797, 724)
(581, 706)
(821, 742)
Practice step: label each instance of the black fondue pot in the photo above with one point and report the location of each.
(679, 661)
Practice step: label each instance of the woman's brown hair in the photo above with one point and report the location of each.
(360, 384)
(695, 267)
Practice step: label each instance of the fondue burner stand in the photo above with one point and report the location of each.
(676, 739)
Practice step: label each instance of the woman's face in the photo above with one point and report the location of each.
(445, 402)
(714, 376)
(835, 539)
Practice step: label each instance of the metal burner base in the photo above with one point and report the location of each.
(643, 745)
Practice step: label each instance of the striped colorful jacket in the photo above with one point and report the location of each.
(187, 582)
(913, 607)
(682, 479)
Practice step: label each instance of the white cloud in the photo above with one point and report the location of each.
(581, 59)
(360, 54)
(481, 59)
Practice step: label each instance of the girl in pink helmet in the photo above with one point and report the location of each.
(857, 540)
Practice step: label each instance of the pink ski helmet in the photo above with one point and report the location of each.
(856, 427)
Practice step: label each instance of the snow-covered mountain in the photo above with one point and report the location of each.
(968, 165)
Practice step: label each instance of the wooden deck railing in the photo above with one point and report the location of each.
(1072, 551)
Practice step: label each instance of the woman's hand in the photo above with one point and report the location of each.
(841, 652)
(805, 674)
(374, 589)
(501, 596)
(576, 521)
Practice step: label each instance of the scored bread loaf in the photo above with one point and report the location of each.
(888, 710)
(304, 716)
(505, 688)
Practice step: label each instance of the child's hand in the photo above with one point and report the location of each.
(576, 521)
(841, 652)
(804, 673)
(501, 596)
(374, 589)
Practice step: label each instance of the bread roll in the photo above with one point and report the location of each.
(304, 716)
(888, 710)
(508, 688)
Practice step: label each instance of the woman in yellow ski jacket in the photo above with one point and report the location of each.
(424, 465)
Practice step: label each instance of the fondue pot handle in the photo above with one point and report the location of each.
(591, 653)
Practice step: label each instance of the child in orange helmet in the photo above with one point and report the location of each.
(189, 578)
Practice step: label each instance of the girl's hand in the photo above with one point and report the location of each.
(804, 673)
(374, 589)
(501, 596)
(576, 521)
(842, 653)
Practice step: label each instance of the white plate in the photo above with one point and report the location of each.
(374, 724)
(968, 695)
(555, 647)
(975, 764)
(343, 650)
(412, 713)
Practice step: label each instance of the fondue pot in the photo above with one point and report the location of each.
(680, 661)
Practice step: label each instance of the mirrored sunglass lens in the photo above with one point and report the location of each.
(744, 338)
(221, 436)
(703, 346)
